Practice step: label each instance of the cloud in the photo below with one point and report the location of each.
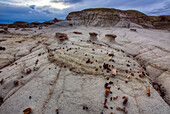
(32, 6)
(43, 10)
(165, 10)
(67, 1)
(12, 13)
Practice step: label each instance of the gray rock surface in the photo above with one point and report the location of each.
(61, 78)
(109, 18)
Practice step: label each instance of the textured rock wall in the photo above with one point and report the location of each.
(109, 17)
(160, 22)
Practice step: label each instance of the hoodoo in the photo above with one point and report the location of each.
(93, 36)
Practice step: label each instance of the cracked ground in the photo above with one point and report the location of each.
(69, 75)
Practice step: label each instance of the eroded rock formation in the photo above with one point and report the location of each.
(105, 17)
(109, 17)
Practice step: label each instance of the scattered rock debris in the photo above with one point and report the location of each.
(16, 83)
(30, 97)
(106, 85)
(57, 111)
(77, 32)
(28, 70)
(105, 101)
(27, 110)
(115, 97)
(107, 91)
(61, 36)
(148, 91)
(85, 107)
(2, 48)
(134, 30)
(105, 66)
(122, 109)
(125, 100)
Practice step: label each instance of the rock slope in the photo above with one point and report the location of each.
(117, 18)
(71, 76)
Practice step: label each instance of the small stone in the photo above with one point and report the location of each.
(125, 100)
(16, 83)
(107, 77)
(106, 85)
(126, 81)
(132, 74)
(88, 61)
(110, 82)
(115, 97)
(27, 70)
(105, 66)
(87, 108)
(128, 65)
(57, 111)
(27, 111)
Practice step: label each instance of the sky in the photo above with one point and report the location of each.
(45, 10)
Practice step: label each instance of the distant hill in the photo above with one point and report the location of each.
(117, 18)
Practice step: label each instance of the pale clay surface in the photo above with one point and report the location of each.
(53, 87)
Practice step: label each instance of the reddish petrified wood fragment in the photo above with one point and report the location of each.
(27, 110)
(61, 36)
(77, 32)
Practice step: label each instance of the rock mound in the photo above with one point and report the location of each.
(109, 17)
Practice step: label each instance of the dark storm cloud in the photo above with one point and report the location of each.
(12, 13)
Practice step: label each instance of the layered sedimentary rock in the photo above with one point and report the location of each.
(118, 18)
(160, 22)
(109, 17)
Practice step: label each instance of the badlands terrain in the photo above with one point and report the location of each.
(87, 64)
